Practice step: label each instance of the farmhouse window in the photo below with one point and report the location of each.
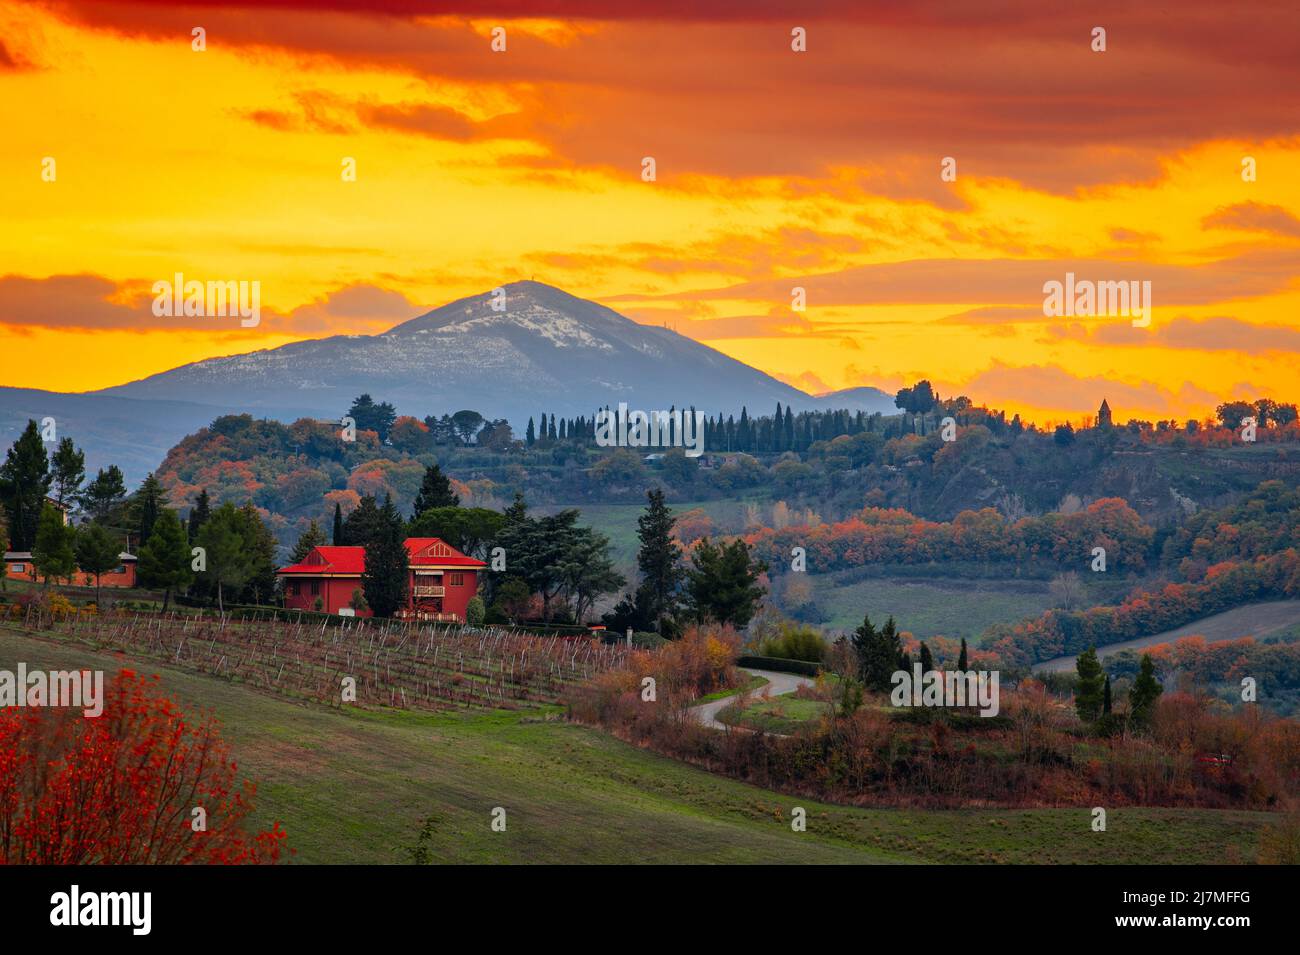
(457, 579)
(315, 588)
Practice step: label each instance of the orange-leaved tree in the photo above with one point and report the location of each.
(124, 787)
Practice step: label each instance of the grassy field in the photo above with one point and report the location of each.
(618, 521)
(785, 714)
(928, 607)
(355, 786)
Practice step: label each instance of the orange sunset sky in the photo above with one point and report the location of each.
(775, 169)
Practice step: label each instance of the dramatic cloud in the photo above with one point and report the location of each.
(1020, 281)
(1254, 217)
(1020, 95)
(91, 302)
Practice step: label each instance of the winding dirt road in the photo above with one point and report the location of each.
(777, 685)
(1254, 620)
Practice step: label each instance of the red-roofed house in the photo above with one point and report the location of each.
(442, 579)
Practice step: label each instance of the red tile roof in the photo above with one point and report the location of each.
(330, 560)
(426, 551)
(351, 561)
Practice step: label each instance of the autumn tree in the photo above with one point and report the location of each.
(123, 788)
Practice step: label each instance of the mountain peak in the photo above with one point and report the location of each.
(541, 350)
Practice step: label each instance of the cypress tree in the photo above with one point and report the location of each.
(199, 515)
(659, 557)
(148, 503)
(384, 581)
(962, 663)
(927, 659)
(1146, 690)
(1088, 695)
(337, 536)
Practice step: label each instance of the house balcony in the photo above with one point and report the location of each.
(423, 591)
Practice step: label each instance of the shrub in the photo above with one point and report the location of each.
(475, 612)
(120, 788)
(793, 642)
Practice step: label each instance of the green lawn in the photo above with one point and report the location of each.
(618, 521)
(785, 714)
(354, 786)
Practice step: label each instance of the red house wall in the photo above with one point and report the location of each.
(335, 592)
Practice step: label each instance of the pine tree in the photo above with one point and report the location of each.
(24, 482)
(385, 579)
(337, 538)
(165, 559)
(659, 557)
(362, 524)
(962, 663)
(880, 654)
(105, 494)
(97, 553)
(1146, 690)
(435, 491)
(259, 548)
(52, 551)
(1088, 694)
(722, 583)
(68, 465)
(864, 640)
(311, 538)
(227, 565)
